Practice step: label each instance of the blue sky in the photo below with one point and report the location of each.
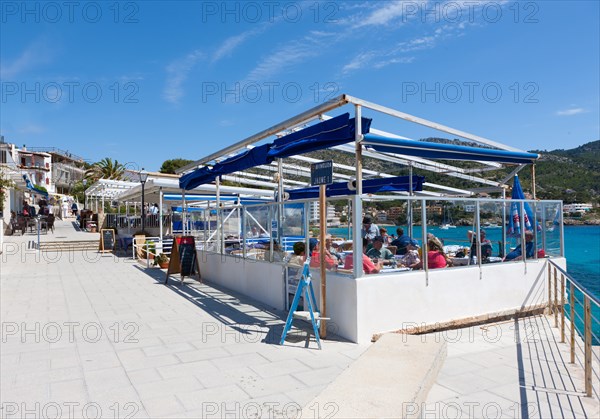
(146, 81)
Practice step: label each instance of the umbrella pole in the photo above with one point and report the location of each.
(533, 180)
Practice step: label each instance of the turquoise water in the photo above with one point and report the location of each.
(582, 250)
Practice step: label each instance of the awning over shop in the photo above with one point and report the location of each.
(32, 188)
(445, 151)
(389, 184)
(326, 134)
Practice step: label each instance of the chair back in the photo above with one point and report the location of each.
(393, 249)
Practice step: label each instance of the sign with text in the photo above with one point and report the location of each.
(321, 173)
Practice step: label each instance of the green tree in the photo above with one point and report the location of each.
(106, 168)
(5, 184)
(170, 166)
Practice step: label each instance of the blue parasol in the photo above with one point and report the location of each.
(514, 221)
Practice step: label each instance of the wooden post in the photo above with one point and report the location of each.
(587, 325)
(555, 298)
(562, 308)
(572, 304)
(322, 235)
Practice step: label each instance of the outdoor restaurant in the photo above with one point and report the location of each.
(253, 237)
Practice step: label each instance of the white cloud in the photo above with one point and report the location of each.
(570, 112)
(358, 62)
(177, 74)
(231, 43)
(383, 15)
(37, 53)
(291, 54)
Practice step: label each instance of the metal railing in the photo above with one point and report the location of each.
(152, 246)
(123, 221)
(580, 321)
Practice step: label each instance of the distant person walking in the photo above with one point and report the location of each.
(74, 209)
(65, 209)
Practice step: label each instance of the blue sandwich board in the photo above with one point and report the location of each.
(310, 303)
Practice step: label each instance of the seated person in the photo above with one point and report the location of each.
(315, 257)
(411, 257)
(299, 256)
(517, 254)
(368, 266)
(486, 245)
(278, 253)
(378, 252)
(436, 258)
(386, 237)
(332, 249)
(402, 242)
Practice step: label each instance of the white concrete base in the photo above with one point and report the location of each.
(363, 307)
(387, 381)
(262, 281)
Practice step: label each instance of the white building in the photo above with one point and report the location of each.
(313, 213)
(577, 208)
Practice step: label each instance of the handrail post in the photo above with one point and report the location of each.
(549, 286)
(572, 304)
(562, 308)
(587, 325)
(555, 298)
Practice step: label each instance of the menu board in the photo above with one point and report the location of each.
(184, 260)
(107, 240)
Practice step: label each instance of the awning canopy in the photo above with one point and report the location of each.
(198, 198)
(445, 151)
(33, 188)
(389, 184)
(326, 134)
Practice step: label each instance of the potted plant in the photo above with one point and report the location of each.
(162, 261)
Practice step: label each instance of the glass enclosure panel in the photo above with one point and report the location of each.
(550, 219)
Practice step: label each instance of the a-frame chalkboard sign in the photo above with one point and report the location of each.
(184, 260)
(107, 240)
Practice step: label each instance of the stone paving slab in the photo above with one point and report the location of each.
(513, 369)
(89, 331)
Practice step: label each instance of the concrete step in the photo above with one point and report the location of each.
(390, 379)
(70, 245)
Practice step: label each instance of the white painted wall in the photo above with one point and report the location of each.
(392, 302)
(263, 281)
(360, 308)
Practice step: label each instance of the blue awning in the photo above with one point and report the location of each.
(388, 184)
(445, 151)
(196, 198)
(326, 134)
(33, 188)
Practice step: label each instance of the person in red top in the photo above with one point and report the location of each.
(368, 266)
(435, 255)
(315, 258)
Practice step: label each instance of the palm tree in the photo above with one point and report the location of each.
(105, 169)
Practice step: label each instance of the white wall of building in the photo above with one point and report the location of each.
(360, 308)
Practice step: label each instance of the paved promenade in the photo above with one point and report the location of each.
(512, 369)
(83, 331)
(95, 335)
